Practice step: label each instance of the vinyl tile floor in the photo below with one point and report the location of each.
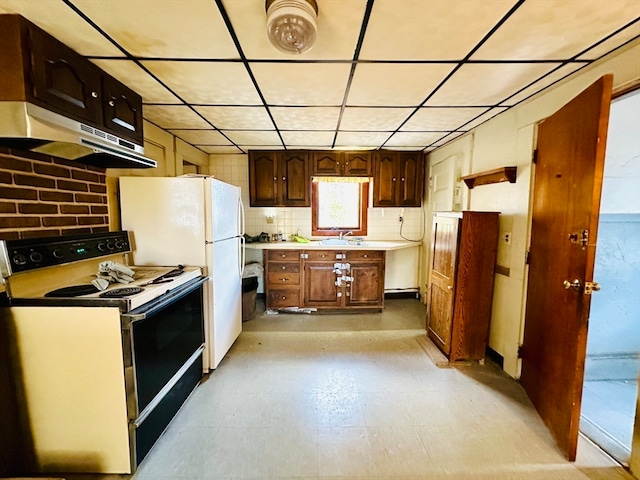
(358, 396)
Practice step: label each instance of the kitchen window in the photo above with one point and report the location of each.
(339, 204)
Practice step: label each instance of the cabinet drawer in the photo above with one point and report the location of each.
(319, 255)
(283, 255)
(277, 279)
(282, 298)
(283, 267)
(365, 255)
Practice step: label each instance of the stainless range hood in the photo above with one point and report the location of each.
(26, 126)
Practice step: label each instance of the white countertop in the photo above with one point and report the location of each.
(315, 245)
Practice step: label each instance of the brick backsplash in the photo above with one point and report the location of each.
(45, 196)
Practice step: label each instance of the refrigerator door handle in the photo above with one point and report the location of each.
(242, 257)
(241, 222)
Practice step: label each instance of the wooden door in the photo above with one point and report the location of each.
(320, 289)
(442, 185)
(295, 183)
(410, 178)
(63, 80)
(326, 163)
(444, 255)
(568, 181)
(122, 109)
(366, 288)
(385, 179)
(357, 164)
(263, 178)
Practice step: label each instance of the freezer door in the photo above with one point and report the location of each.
(223, 215)
(226, 320)
(167, 218)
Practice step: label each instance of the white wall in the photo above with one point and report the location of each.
(507, 140)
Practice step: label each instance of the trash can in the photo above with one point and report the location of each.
(249, 293)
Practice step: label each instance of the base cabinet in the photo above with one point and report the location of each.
(463, 256)
(324, 279)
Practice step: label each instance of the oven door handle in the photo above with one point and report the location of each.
(162, 302)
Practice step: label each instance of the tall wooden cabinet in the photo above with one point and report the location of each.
(398, 179)
(279, 178)
(463, 257)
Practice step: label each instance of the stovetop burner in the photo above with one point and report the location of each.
(121, 292)
(72, 291)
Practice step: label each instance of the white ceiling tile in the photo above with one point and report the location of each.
(238, 118)
(264, 138)
(447, 139)
(483, 118)
(59, 20)
(371, 118)
(302, 83)
(627, 34)
(413, 139)
(212, 149)
(395, 84)
(434, 118)
(166, 29)
(333, 40)
(540, 85)
(487, 84)
(311, 118)
(554, 29)
(429, 30)
(301, 138)
(359, 140)
(207, 82)
(201, 137)
(174, 116)
(140, 81)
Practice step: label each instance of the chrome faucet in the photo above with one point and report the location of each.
(345, 234)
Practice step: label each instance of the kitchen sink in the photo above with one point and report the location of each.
(334, 242)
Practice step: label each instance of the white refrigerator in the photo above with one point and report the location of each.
(192, 220)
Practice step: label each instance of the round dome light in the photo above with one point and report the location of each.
(292, 24)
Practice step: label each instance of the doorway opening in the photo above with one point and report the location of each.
(612, 364)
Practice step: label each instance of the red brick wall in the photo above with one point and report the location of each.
(42, 196)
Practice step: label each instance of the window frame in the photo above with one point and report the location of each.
(328, 232)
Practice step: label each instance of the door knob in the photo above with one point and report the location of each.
(575, 285)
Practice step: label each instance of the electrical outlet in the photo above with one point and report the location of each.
(269, 219)
(506, 238)
(400, 219)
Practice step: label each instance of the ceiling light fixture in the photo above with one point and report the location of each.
(292, 24)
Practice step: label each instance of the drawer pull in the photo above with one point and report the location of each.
(284, 298)
(283, 279)
(284, 255)
(284, 268)
(365, 256)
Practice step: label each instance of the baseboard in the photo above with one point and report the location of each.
(495, 357)
(393, 295)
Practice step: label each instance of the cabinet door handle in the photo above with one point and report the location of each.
(111, 103)
(449, 287)
(284, 179)
(402, 179)
(394, 179)
(275, 179)
(94, 94)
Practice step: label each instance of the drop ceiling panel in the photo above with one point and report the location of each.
(447, 139)
(621, 38)
(333, 41)
(301, 138)
(556, 29)
(254, 138)
(239, 118)
(207, 82)
(308, 118)
(358, 140)
(543, 83)
(201, 137)
(166, 29)
(487, 84)
(302, 83)
(57, 19)
(395, 84)
(413, 139)
(219, 150)
(441, 118)
(432, 30)
(174, 116)
(371, 118)
(482, 118)
(140, 81)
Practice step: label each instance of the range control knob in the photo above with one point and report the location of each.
(35, 257)
(19, 259)
(102, 247)
(120, 244)
(110, 246)
(57, 253)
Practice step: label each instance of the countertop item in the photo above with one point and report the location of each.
(316, 245)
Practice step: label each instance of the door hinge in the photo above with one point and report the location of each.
(519, 351)
(534, 157)
(527, 258)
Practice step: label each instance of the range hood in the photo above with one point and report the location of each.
(26, 126)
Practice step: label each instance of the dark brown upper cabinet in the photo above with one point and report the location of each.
(337, 163)
(279, 178)
(39, 69)
(398, 179)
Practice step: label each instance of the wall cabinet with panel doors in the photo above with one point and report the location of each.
(324, 279)
(459, 296)
(338, 163)
(41, 70)
(279, 178)
(398, 178)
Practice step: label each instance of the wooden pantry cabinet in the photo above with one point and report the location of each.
(43, 71)
(279, 178)
(324, 279)
(398, 178)
(462, 262)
